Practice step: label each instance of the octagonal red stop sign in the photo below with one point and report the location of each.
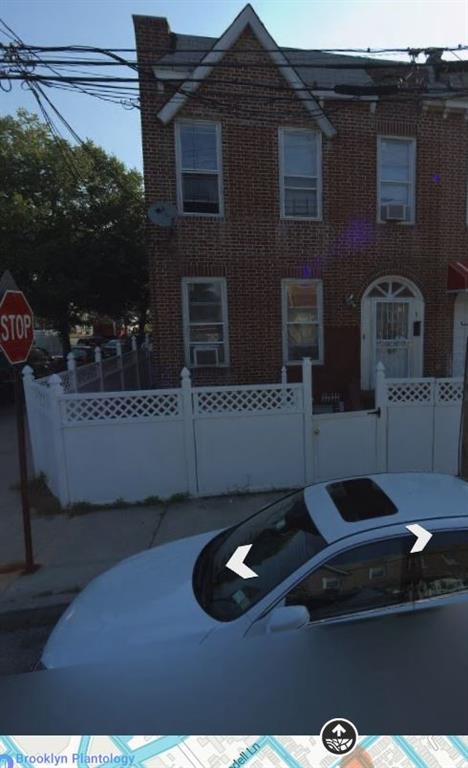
(16, 327)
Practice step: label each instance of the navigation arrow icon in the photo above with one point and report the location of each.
(422, 537)
(237, 565)
(339, 730)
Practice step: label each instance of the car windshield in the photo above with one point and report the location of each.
(283, 537)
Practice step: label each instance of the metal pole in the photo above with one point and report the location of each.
(23, 466)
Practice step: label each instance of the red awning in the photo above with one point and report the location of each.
(457, 276)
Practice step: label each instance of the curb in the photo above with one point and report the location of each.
(32, 612)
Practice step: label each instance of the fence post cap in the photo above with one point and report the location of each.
(97, 352)
(306, 364)
(55, 382)
(185, 373)
(27, 372)
(380, 367)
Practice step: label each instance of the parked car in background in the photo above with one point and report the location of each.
(83, 354)
(93, 341)
(110, 347)
(42, 363)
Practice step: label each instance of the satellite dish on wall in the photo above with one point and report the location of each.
(162, 214)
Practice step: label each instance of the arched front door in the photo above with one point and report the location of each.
(392, 328)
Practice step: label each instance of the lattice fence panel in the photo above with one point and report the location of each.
(411, 392)
(120, 407)
(247, 400)
(449, 391)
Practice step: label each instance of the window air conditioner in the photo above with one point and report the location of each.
(394, 212)
(205, 356)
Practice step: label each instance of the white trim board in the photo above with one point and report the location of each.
(247, 17)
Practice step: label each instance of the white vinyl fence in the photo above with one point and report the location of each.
(119, 372)
(100, 446)
(423, 424)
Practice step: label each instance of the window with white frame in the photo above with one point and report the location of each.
(205, 321)
(396, 179)
(198, 154)
(302, 320)
(300, 173)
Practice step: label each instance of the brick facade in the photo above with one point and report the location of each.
(254, 249)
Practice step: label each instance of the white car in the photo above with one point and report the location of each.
(338, 551)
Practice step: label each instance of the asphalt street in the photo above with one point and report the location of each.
(22, 637)
(22, 634)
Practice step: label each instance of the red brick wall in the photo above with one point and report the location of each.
(254, 249)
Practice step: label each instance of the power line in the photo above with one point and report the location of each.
(119, 90)
(409, 50)
(359, 62)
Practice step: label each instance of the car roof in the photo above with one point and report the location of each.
(417, 495)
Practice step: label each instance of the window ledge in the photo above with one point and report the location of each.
(299, 362)
(302, 218)
(188, 215)
(397, 223)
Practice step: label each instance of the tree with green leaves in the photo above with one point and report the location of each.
(71, 226)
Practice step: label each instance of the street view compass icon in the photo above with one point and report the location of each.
(339, 736)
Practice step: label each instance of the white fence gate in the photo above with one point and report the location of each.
(100, 446)
(345, 444)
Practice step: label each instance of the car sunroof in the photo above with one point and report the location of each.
(360, 499)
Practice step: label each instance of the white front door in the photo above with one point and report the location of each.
(460, 333)
(392, 330)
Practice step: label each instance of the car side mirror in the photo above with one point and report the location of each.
(288, 617)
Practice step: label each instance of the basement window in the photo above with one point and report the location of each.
(360, 499)
(198, 161)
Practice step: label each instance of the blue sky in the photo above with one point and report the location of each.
(302, 23)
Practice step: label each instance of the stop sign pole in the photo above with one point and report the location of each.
(16, 339)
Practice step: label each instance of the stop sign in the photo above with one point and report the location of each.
(16, 327)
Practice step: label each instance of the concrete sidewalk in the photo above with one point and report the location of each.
(71, 550)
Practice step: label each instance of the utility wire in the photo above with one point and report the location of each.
(119, 89)
(411, 51)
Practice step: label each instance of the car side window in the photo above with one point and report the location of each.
(371, 576)
(443, 565)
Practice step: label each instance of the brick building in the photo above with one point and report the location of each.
(309, 222)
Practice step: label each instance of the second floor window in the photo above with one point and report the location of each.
(300, 172)
(198, 154)
(396, 179)
(205, 321)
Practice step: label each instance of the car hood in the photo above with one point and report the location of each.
(143, 600)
